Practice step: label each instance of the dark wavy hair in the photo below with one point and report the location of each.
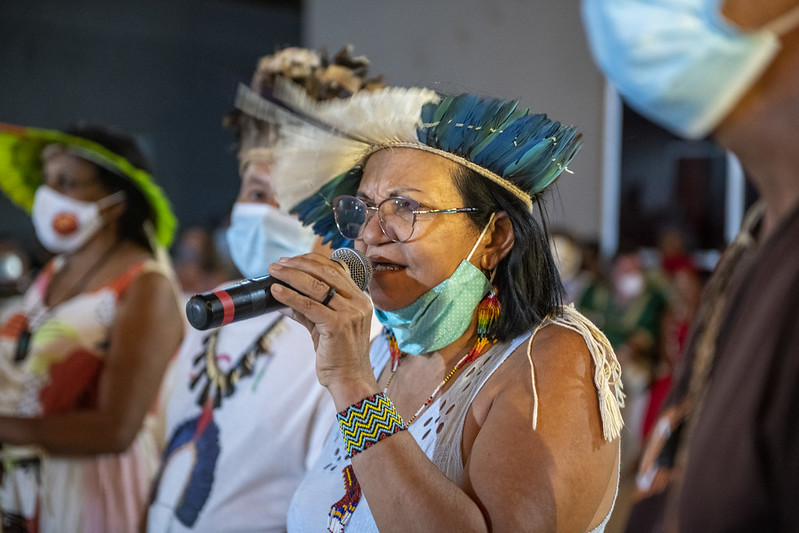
(527, 280)
(137, 208)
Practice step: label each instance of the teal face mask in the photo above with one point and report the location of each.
(442, 314)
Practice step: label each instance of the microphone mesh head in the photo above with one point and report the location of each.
(359, 267)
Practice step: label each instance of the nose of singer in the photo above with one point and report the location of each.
(371, 231)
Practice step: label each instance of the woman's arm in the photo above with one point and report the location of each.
(146, 333)
(517, 478)
(558, 477)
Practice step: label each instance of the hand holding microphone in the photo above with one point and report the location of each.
(252, 297)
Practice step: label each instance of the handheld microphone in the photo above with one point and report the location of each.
(251, 297)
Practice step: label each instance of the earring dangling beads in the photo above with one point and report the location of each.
(487, 313)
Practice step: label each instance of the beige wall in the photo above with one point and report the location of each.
(532, 50)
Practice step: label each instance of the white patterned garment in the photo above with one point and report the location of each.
(437, 431)
(60, 373)
(233, 467)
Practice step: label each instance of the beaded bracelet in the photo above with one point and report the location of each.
(367, 422)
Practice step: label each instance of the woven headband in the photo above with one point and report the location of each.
(517, 192)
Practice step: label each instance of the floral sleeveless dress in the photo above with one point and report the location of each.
(56, 369)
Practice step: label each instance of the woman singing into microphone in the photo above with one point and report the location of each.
(487, 404)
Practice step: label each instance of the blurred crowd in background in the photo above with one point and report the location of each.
(643, 299)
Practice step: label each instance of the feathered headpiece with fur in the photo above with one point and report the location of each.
(323, 144)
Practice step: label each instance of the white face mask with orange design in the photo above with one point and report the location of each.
(64, 224)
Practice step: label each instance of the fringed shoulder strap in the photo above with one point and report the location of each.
(607, 370)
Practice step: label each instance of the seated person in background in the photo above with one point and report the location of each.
(244, 413)
(87, 350)
(198, 264)
(488, 405)
(15, 274)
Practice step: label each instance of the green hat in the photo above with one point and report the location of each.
(21, 171)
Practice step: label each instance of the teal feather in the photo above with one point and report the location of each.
(498, 125)
(527, 149)
(506, 142)
(448, 135)
(317, 209)
(532, 158)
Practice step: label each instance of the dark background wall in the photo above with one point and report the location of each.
(163, 70)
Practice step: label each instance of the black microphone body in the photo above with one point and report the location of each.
(251, 297)
(243, 300)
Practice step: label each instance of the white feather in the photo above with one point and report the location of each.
(306, 159)
(307, 156)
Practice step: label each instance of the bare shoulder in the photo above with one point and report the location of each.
(153, 278)
(542, 410)
(558, 357)
(153, 288)
(558, 354)
(550, 384)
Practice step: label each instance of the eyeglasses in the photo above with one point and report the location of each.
(397, 216)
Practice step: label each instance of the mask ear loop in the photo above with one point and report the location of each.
(111, 199)
(784, 23)
(480, 238)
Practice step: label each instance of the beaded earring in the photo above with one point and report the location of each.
(487, 313)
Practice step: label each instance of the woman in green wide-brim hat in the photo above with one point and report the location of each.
(82, 359)
(21, 172)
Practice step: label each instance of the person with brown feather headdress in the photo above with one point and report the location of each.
(245, 415)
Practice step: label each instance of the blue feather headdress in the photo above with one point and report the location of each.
(319, 156)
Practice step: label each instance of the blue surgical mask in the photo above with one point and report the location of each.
(679, 62)
(442, 314)
(260, 234)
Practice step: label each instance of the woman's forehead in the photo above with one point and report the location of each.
(75, 167)
(398, 170)
(258, 173)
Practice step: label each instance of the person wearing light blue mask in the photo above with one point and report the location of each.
(259, 233)
(441, 315)
(483, 382)
(252, 382)
(724, 454)
(659, 55)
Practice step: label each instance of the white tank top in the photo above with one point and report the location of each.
(437, 431)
